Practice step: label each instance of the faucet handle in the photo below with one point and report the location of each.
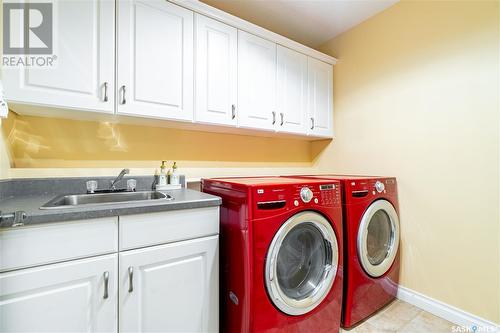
(91, 186)
(19, 217)
(131, 185)
(16, 218)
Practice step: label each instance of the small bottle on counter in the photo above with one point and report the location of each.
(169, 176)
(162, 179)
(174, 178)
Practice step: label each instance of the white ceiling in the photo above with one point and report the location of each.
(310, 22)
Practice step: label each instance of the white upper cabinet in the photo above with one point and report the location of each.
(256, 82)
(82, 76)
(174, 60)
(320, 104)
(216, 71)
(155, 60)
(291, 91)
(170, 288)
(74, 296)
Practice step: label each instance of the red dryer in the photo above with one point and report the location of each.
(281, 254)
(371, 244)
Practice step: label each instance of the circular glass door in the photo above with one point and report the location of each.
(378, 238)
(301, 263)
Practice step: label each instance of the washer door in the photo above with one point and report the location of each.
(378, 238)
(301, 263)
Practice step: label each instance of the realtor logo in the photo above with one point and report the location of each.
(27, 28)
(28, 36)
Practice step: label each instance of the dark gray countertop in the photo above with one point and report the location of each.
(30, 203)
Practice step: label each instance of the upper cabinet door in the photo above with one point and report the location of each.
(256, 82)
(155, 60)
(170, 288)
(74, 296)
(82, 75)
(216, 59)
(292, 91)
(320, 103)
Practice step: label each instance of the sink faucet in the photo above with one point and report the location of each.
(118, 178)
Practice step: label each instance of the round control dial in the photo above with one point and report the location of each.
(379, 186)
(306, 194)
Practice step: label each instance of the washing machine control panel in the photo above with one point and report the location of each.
(379, 186)
(306, 194)
(330, 194)
(269, 199)
(317, 194)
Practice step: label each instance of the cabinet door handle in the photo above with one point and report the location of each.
(312, 123)
(130, 279)
(105, 99)
(274, 117)
(233, 111)
(106, 284)
(123, 95)
(282, 121)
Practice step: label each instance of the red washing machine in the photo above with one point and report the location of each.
(371, 243)
(280, 254)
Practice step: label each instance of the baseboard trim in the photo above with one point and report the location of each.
(466, 321)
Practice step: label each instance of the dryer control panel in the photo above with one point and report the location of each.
(360, 188)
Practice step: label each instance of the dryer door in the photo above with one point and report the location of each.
(378, 238)
(301, 263)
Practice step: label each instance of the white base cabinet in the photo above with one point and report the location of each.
(75, 296)
(170, 288)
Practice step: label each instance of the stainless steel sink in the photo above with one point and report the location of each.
(76, 200)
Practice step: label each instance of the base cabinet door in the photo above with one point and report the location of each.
(75, 296)
(320, 103)
(170, 288)
(155, 60)
(81, 75)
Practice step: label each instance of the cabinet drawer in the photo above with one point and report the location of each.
(165, 227)
(49, 243)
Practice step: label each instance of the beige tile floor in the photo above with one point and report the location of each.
(402, 317)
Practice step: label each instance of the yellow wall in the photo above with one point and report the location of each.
(4, 159)
(52, 147)
(416, 96)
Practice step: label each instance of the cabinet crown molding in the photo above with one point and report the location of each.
(219, 15)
